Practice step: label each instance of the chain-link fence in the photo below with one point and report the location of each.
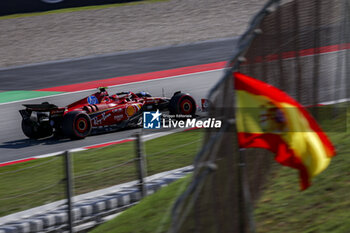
(31, 185)
(299, 46)
(75, 188)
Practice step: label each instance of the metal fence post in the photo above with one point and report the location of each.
(247, 223)
(69, 189)
(141, 164)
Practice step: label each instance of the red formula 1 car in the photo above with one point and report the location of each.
(98, 112)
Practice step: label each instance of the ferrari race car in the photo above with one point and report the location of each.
(99, 112)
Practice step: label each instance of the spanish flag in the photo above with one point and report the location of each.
(268, 118)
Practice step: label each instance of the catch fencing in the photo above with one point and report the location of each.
(76, 189)
(301, 47)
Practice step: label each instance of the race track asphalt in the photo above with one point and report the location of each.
(14, 145)
(52, 74)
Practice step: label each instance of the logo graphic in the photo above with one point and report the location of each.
(92, 99)
(130, 110)
(151, 120)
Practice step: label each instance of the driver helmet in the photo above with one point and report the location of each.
(103, 91)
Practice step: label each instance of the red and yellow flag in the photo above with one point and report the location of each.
(268, 118)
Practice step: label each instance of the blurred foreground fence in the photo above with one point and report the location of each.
(70, 189)
(301, 47)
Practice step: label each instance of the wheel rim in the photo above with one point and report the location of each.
(186, 106)
(81, 125)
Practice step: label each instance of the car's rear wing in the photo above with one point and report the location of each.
(44, 107)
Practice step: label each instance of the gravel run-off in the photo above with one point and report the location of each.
(58, 36)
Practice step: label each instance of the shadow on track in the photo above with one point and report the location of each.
(55, 140)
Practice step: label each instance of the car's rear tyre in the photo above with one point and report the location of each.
(35, 131)
(76, 125)
(182, 103)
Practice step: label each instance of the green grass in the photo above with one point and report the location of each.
(151, 215)
(29, 178)
(93, 169)
(74, 9)
(322, 208)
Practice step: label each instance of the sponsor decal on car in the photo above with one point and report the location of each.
(57, 112)
(99, 119)
(118, 117)
(138, 106)
(117, 110)
(130, 110)
(92, 99)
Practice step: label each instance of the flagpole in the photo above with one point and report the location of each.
(247, 224)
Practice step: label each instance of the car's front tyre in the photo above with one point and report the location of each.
(182, 103)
